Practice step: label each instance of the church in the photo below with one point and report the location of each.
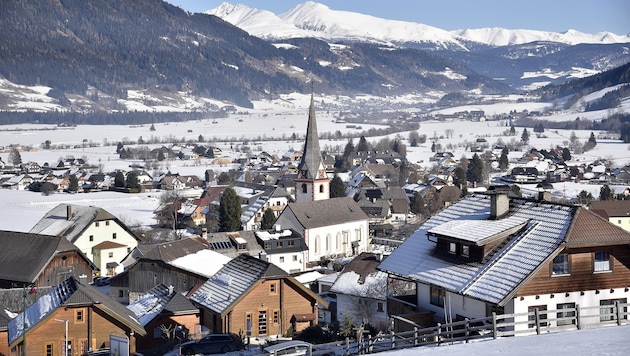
(332, 227)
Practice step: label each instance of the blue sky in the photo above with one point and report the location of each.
(589, 16)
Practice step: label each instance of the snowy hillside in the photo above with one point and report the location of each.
(311, 19)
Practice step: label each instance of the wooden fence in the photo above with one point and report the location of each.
(534, 322)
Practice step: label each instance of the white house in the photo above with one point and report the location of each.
(98, 234)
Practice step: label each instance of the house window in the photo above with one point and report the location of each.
(49, 350)
(379, 307)
(321, 188)
(560, 264)
(452, 248)
(107, 223)
(437, 296)
(304, 188)
(114, 236)
(294, 258)
(121, 293)
(466, 250)
(248, 323)
(601, 261)
(607, 310)
(281, 259)
(278, 244)
(531, 316)
(96, 224)
(91, 238)
(267, 245)
(290, 243)
(316, 243)
(273, 288)
(566, 314)
(276, 317)
(67, 348)
(110, 254)
(79, 316)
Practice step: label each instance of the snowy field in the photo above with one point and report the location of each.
(22, 209)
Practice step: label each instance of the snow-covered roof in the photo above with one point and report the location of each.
(495, 279)
(159, 299)
(484, 229)
(374, 286)
(204, 262)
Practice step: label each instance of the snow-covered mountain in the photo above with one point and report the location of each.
(311, 19)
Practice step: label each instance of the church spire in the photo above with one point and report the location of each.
(311, 183)
(311, 165)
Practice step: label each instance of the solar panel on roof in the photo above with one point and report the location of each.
(221, 245)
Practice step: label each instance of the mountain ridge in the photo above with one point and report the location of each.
(312, 19)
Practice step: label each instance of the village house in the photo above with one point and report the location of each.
(256, 298)
(182, 263)
(100, 236)
(615, 211)
(284, 248)
(89, 315)
(361, 292)
(167, 316)
(490, 253)
(41, 260)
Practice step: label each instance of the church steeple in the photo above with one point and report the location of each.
(311, 183)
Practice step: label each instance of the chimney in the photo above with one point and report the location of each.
(68, 212)
(544, 195)
(204, 233)
(171, 289)
(499, 205)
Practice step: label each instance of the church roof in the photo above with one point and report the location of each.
(312, 214)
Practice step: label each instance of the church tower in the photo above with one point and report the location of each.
(311, 183)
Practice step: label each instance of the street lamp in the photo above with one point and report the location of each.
(30, 292)
(65, 352)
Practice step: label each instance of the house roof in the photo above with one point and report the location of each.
(105, 245)
(312, 214)
(70, 293)
(588, 228)
(160, 299)
(57, 222)
(613, 208)
(498, 277)
(171, 250)
(232, 281)
(24, 255)
(360, 278)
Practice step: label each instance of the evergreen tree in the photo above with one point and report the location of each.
(348, 150)
(119, 181)
(363, 145)
(433, 147)
(268, 219)
(152, 128)
(592, 140)
(459, 177)
(503, 160)
(132, 181)
(337, 187)
(475, 170)
(224, 179)
(119, 147)
(605, 193)
(160, 156)
(73, 185)
(229, 211)
(512, 130)
(525, 136)
(14, 157)
(584, 197)
(566, 154)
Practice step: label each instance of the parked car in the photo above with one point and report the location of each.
(213, 344)
(293, 347)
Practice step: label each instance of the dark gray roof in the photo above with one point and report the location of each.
(24, 256)
(223, 243)
(326, 212)
(57, 221)
(232, 281)
(169, 251)
(160, 299)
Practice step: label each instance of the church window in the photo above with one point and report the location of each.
(303, 187)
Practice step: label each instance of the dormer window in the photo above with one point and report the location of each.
(452, 248)
(465, 251)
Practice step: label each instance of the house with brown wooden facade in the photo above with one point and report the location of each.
(40, 260)
(255, 298)
(491, 253)
(167, 316)
(91, 317)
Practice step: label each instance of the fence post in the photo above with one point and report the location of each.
(439, 334)
(415, 336)
(393, 339)
(494, 325)
(347, 346)
(467, 329)
(537, 319)
(617, 312)
(577, 316)
(370, 346)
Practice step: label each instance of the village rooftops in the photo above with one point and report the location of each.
(484, 230)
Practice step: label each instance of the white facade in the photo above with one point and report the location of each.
(363, 310)
(104, 231)
(346, 239)
(306, 190)
(291, 262)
